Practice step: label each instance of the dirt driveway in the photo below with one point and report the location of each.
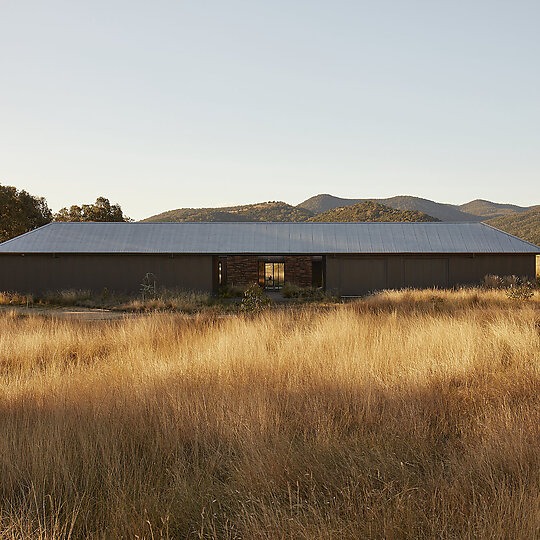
(78, 313)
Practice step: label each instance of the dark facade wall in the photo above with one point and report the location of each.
(347, 275)
(242, 269)
(357, 275)
(298, 270)
(123, 273)
(473, 269)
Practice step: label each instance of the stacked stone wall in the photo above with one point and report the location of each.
(242, 269)
(298, 270)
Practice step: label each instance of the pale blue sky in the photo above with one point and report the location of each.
(167, 104)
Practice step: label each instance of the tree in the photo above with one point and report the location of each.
(101, 210)
(21, 212)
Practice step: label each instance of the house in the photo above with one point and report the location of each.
(346, 258)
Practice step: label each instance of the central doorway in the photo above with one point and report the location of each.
(274, 275)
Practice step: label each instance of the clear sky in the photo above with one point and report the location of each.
(165, 104)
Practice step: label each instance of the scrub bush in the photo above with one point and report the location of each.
(308, 294)
(254, 299)
(521, 291)
(67, 297)
(232, 291)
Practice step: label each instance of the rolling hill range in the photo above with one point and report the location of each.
(520, 221)
(477, 210)
(280, 211)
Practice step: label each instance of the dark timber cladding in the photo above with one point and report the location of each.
(95, 272)
(346, 258)
(356, 275)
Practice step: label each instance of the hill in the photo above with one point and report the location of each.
(371, 211)
(443, 212)
(524, 225)
(488, 209)
(477, 210)
(266, 211)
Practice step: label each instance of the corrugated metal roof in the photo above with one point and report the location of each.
(267, 238)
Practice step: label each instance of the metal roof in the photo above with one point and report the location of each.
(267, 238)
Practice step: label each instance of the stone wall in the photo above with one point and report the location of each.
(298, 270)
(242, 269)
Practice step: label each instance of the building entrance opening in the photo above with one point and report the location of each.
(274, 275)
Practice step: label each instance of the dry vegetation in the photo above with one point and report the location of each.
(408, 415)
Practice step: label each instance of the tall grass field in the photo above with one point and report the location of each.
(408, 415)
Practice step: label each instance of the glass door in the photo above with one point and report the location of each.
(274, 275)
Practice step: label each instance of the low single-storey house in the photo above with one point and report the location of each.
(347, 258)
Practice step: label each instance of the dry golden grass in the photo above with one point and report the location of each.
(398, 417)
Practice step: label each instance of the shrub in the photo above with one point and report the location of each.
(254, 299)
(497, 282)
(9, 298)
(148, 286)
(68, 297)
(308, 294)
(169, 300)
(290, 290)
(232, 291)
(521, 291)
(492, 282)
(186, 301)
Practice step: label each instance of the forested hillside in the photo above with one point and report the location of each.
(280, 211)
(443, 212)
(525, 225)
(371, 211)
(266, 211)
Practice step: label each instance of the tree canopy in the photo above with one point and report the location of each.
(101, 210)
(21, 212)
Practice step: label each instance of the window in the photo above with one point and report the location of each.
(220, 273)
(274, 275)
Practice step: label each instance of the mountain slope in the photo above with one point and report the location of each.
(267, 211)
(524, 225)
(443, 212)
(488, 209)
(370, 211)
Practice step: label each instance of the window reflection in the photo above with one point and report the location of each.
(274, 275)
